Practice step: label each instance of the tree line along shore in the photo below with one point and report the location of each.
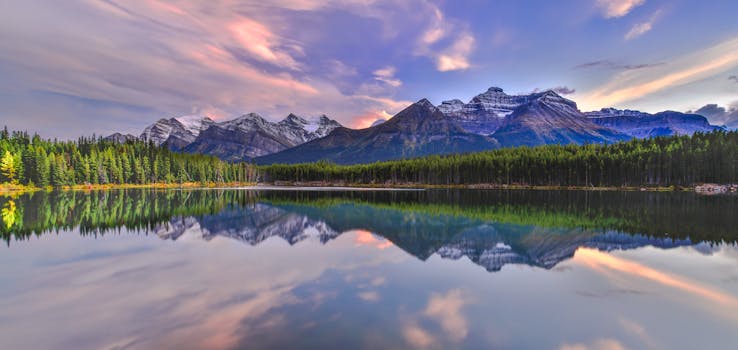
(664, 163)
(30, 162)
(660, 162)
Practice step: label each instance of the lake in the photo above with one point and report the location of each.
(268, 268)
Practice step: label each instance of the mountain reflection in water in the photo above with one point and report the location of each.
(490, 228)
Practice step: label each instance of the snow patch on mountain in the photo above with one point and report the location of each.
(194, 123)
(486, 113)
(177, 132)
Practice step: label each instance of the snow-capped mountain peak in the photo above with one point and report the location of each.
(251, 135)
(177, 131)
(425, 103)
(245, 122)
(194, 123)
(614, 112)
(451, 106)
(486, 112)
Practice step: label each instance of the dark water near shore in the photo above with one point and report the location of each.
(230, 269)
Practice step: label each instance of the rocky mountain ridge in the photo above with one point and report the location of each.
(419, 130)
(643, 125)
(489, 120)
(242, 138)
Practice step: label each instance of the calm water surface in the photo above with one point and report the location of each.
(232, 269)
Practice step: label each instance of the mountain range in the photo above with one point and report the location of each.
(490, 120)
(418, 130)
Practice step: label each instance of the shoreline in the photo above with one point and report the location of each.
(284, 184)
(14, 190)
(11, 190)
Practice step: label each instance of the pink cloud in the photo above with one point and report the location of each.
(259, 41)
(618, 8)
(366, 120)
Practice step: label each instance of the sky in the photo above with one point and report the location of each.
(78, 67)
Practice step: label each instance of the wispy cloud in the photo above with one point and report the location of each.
(456, 57)
(638, 29)
(734, 78)
(599, 344)
(436, 30)
(597, 259)
(261, 43)
(446, 42)
(387, 76)
(607, 64)
(636, 329)
(641, 28)
(635, 84)
(618, 8)
(561, 90)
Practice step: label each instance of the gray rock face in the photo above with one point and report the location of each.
(120, 138)
(239, 139)
(251, 136)
(177, 132)
(643, 125)
(551, 119)
(529, 120)
(486, 112)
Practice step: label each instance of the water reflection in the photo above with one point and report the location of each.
(260, 269)
(537, 228)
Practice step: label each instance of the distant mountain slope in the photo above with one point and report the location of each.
(418, 130)
(176, 132)
(486, 112)
(120, 138)
(642, 125)
(551, 119)
(252, 136)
